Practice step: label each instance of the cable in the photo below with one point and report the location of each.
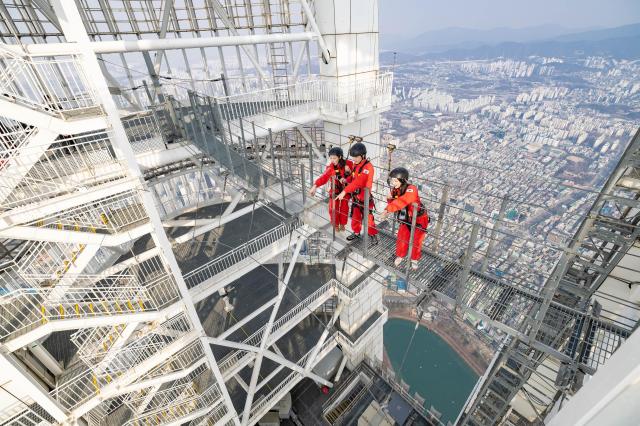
(466, 164)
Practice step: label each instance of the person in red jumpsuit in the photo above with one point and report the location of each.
(337, 170)
(403, 196)
(361, 178)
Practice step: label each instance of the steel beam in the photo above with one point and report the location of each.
(121, 46)
(282, 286)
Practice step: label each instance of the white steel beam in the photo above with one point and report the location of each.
(134, 387)
(222, 13)
(74, 323)
(246, 319)
(282, 286)
(326, 54)
(36, 233)
(18, 167)
(74, 31)
(43, 355)
(270, 355)
(211, 224)
(323, 337)
(50, 206)
(15, 372)
(121, 46)
(114, 388)
(45, 121)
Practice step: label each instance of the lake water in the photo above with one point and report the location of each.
(432, 368)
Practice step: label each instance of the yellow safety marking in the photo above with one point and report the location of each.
(108, 378)
(60, 226)
(95, 383)
(76, 227)
(104, 345)
(104, 218)
(44, 314)
(91, 307)
(61, 309)
(141, 303)
(130, 305)
(40, 223)
(118, 307)
(104, 305)
(77, 309)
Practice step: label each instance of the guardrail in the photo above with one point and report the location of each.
(184, 407)
(111, 215)
(264, 403)
(64, 166)
(58, 87)
(232, 258)
(233, 358)
(26, 308)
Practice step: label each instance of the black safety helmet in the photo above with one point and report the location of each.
(399, 173)
(358, 149)
(337, 151)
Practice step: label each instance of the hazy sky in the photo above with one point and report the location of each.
(411, 17)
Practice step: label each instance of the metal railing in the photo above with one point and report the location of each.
(323, 95)
(227, 262)
(13, 136)
(26, 308)
(26, 415)
(212, 417)
(112, 214)
(181, 408)
(234, 358)
(87, 383)
(56, 86)
(67, 165)
(144, 133)
(183, 359)
(264, 403)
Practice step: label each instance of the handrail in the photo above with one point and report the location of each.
(230, 359)
(233, 257)
(55, 86)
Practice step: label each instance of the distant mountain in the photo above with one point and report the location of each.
(625, 31)
(465, 38)
(620, 42)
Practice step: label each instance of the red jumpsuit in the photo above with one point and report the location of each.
(401, 203)
(361, 178)
(342, 206)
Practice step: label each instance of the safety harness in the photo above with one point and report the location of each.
(340, 172)
(355, 202)
(404, 215)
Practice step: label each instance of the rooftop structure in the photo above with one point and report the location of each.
(161, 261)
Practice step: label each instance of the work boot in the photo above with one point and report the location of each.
(353, 236)
(398, 261)
(414, 264)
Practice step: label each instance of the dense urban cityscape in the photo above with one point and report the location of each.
(543, 131)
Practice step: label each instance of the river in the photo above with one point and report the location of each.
(432, 368)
